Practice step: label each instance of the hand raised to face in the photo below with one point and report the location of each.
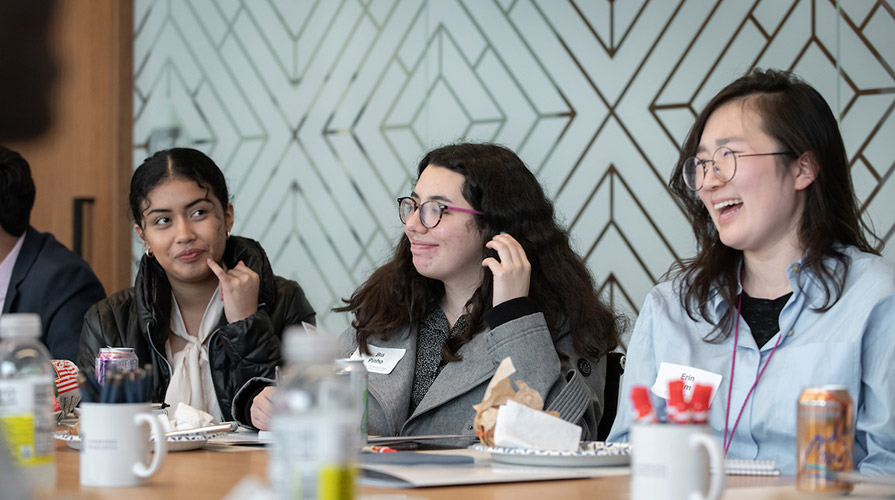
(511, 270)
(239, 290)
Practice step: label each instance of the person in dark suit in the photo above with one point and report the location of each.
(37, 273)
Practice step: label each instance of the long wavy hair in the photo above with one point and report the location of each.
(497, 183)
(798, 118)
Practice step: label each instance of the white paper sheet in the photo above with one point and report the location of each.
(482, 472)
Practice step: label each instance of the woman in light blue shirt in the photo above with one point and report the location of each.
(785, 290)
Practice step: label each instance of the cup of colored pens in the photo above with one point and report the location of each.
(679, 409)
(132, 386)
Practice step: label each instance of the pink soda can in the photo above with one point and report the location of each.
(122, 359)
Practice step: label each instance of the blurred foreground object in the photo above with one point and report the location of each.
(27, 68)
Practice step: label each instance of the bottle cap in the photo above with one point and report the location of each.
(301, 346)
(20, 325)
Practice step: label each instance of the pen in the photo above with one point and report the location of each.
(378, 449)
(853, 476)
(643, 407)
(211, 429)
(678, 409)
(699, 403)
(147, 382)
(89, 392)
(129, 385)
(111, 389)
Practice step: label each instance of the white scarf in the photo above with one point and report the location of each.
(191, 381)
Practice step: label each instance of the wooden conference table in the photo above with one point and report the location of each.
(202, 474)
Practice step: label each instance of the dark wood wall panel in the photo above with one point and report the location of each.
(86, 152)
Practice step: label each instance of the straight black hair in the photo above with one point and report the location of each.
(172, 163)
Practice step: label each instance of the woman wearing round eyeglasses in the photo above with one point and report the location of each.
(784, 292)
(482, 272)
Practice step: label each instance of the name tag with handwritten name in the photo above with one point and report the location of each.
(381, 360)
(691, 376)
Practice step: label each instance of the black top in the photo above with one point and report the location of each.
(762, 316)
(140, 317)
(434, 331)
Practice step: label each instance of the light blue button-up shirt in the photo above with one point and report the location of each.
(851, 344)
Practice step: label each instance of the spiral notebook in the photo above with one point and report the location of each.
(750, 468)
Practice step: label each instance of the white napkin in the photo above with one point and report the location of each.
(187, 417)
(518, 426)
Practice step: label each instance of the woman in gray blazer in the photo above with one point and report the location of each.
(482, 272)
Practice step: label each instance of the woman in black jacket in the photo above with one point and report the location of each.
(206, 309)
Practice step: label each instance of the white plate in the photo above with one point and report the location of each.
(590, 454)
(175, 443)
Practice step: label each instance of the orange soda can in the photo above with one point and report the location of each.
(825, 438)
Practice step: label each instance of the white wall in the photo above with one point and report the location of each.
(319, 110)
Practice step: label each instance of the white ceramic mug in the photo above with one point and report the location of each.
(672, 462)
(115, 444)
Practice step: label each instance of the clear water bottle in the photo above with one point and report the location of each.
(26, 399)
(312, 454)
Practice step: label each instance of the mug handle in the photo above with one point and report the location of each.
(716, 463)
(161, 445)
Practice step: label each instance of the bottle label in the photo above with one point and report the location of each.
(310, 456)
(336, 482)
(26, 421)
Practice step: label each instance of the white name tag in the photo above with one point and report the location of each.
(381, 360)
(691, 376)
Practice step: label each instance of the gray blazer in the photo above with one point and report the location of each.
(573, 387)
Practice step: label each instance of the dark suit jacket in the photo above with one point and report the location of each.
(54, 282)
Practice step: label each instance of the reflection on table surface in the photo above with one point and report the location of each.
(212, 473)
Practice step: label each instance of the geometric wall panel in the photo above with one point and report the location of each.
(318, 111)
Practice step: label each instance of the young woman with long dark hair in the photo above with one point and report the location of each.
(483, 271)
(785, 290)
(206, 309)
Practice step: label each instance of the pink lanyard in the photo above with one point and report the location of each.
(736, 336)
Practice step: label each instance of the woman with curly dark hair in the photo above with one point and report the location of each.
(482, 272)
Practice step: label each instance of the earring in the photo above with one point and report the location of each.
(228, 235)
(149, 253)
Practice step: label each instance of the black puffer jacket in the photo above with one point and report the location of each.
(140, 317)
